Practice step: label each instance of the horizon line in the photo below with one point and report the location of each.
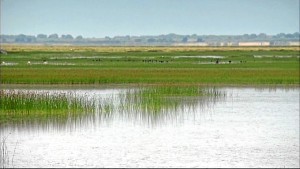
(151, 35)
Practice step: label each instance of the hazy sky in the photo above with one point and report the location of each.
(99, 18)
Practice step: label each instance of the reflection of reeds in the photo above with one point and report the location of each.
(164, 102)
(6, 161)
(20, 106)
(4, 158)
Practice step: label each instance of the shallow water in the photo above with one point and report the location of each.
(249, 127)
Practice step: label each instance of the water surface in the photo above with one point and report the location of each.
(248, 127)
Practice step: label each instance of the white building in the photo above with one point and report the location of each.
(254, 43)
(294, 43)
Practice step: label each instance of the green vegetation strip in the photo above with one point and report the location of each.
(150, 65)
(18, 106)
(152, 76)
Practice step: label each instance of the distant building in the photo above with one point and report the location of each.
(294, 43)
(254, 44)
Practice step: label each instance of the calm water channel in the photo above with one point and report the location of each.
(245, 127)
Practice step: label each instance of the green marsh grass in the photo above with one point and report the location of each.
(150, 103)
(126, 65)
(158, 103)
(19, 106)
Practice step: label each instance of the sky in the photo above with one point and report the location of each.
(100, 18)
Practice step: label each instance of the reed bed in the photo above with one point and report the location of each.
(158, 103)
(19, 106)
(150, 103)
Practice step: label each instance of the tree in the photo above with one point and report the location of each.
(151, 40)
(3, 40)
(296, 35)
(280, 35)
(127, 37)
(25, 39)
(289, 36)
(185, 39)
(138, 40)
(200, 40)
(20, 38)
(30, 39)
(262, 35)
(79, 37)
(194, 36)
(68, 36)
(253, 36)
(246, 36)
(53, 36)
(42, 36)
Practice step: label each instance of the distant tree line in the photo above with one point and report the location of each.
(148, 40)
(38, 38)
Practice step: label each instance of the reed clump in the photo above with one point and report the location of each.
(28, 105)
(161, 99)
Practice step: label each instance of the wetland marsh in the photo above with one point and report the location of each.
(150, 65)
(149, 107)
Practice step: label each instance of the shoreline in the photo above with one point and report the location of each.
(126, 85)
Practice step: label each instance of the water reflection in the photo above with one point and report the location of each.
(166, 104)
(145, 105)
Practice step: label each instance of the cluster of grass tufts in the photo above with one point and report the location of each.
(18, 106)
(172, 91)
(163, 100)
